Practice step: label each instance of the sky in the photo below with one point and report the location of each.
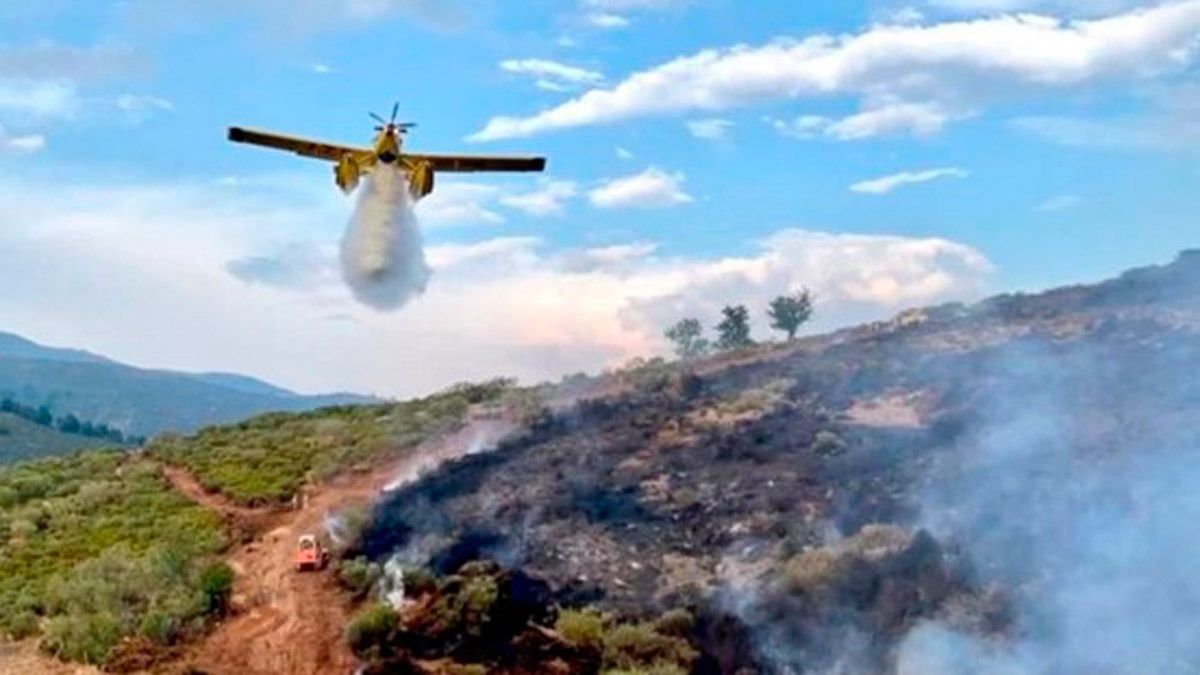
(884, 154)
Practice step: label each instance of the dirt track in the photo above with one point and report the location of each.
(291, 623)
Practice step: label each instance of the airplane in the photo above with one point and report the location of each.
(352, 163)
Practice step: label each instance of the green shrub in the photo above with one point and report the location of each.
(370, 632)
(358, 576)
(100, 547)
(87, 638)
(419, 581)
(676, 623)
(158, 627)
(632, 646)
(267, 459)
(216, 585)
(583, 629)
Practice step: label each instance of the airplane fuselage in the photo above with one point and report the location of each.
(387, 145)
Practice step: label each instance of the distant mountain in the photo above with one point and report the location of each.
(135, 400)
(15, 346)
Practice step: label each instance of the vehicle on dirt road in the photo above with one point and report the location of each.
(310, 554)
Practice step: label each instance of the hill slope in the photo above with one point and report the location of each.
(21, 439)
(138, 401)
(951, 491)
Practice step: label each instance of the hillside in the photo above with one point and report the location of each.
(947, 492)
(138, 401)
(960, 489)
(21, 439)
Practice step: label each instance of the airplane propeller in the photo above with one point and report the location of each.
(402, 127)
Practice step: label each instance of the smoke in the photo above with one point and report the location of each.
(1076, 491)
(383, 260)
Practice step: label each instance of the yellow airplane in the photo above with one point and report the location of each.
(352, 163)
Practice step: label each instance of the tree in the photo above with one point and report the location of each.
(789, 312)
(44, 417)
(69, 424)
(734, 330)
(688, 338)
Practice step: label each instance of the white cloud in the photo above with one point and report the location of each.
(1058, 203)
(20, 145)
(887, 119)
(552, 75)
(32, 100)
(624, 154)
(548, 199)
(887, 184)
(460, 203)
(158, 257)
(141, 108)
(322, 68)
(956, 66)
(712, 129)
(607, 21)
(652, 188)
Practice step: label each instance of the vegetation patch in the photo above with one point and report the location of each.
(266, 459)
(98, 548)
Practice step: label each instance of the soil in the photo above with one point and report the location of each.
(291, 623)
(24, 658)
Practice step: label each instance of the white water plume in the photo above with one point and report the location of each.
(383, 260)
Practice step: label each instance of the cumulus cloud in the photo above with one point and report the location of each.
(460, 203)
(548, 199)
(711, 129)
(29, 100)
(650, 189)
(508, 305)
(607, 20)
(953, 67)
(887, 184)
(552, 75)
(886, 119)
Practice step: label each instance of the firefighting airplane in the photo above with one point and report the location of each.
(352, 163)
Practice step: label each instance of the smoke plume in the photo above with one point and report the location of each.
(383, 260)
(1094, 538)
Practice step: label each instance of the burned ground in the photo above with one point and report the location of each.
(760, 496)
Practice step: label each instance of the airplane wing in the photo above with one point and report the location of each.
(467, 163)
(300, 146)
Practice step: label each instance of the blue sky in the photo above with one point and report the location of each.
(885, 154)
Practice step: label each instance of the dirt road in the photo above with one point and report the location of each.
(291, 623)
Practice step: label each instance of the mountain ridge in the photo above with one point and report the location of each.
(137, 400)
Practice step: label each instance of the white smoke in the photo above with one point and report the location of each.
(383, 260)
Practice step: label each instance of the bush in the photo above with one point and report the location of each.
(419, 581)
(827, 444)
(216, 583)
(359, 575)
(370, 633)
(676, 623)
(87, 638)
(633, 646)
(583, 629)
